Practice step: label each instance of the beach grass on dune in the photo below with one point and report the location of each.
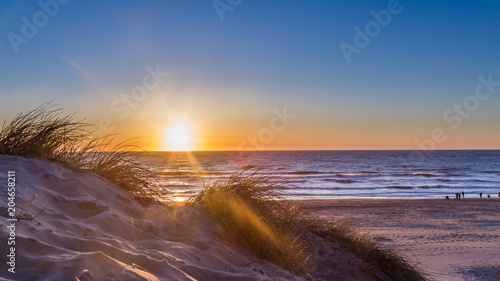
(45, 133)
(245, 205)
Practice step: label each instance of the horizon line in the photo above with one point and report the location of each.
(276, 150)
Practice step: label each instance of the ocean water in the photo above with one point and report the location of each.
(338, 174)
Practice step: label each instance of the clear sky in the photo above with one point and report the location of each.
(348, 74)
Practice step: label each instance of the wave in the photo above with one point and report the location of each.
(328, 188)
(491, 172)
(344, 181)
(450, 169)
(305, 173)
(400, 187)
(358, 174)
(422, 174)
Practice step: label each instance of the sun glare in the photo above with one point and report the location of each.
(179, 137)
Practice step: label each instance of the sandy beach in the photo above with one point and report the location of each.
(453, 240)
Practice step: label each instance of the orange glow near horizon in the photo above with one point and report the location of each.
(158, 127)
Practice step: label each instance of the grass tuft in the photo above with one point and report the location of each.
(40, 133)
(45, 133)
(244, 205)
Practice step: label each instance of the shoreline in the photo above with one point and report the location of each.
(493, 198)
(389, 198)
(452, 239)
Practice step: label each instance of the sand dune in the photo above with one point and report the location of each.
(89, 229)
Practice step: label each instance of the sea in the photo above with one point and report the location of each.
(336, 174)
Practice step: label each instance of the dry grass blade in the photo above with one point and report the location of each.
(47, 134)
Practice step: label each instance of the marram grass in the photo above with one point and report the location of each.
(45, 133)
(243, 204)
(247, 207)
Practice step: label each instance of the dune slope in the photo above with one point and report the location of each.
(80, 226)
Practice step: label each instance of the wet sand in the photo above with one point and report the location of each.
(452, 239)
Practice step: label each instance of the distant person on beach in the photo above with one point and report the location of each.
(456, 195)
(463, 194)
(480, 195)
(498, 194)
(448, 198)
(489, 196)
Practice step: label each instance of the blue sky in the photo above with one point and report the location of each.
(263, 55)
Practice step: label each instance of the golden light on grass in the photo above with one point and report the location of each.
(242, 205)
(179, 137)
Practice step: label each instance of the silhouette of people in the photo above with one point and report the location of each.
(456, 195)
(463, 194)
(489, 196)
(480, 195)
(447, 197)
(498, 194)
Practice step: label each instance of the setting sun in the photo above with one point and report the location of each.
(179, 137)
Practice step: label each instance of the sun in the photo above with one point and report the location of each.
(179, 137)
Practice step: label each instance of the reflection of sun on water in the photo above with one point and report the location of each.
(179, 137)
